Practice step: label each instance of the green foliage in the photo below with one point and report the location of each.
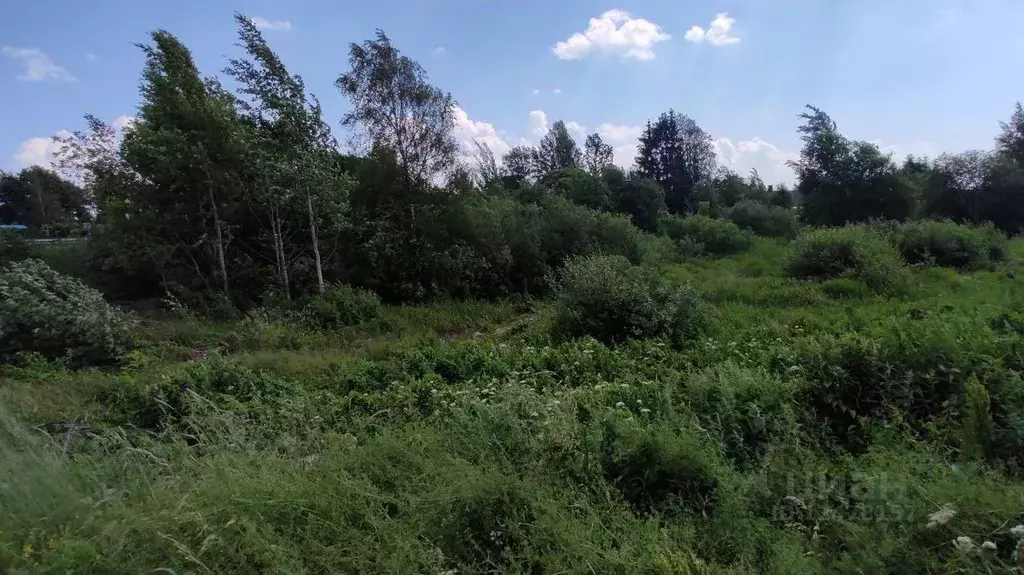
(643, 200)
(13, 247)
(484, 246)
(612, 300)
(764, 220)
(557, 151)
(341, 305)
(714, 236)
(57, 317)
(748, 411)
(580, 188)
(812, 427)
(977, 419)
(852, 252)
(952, 245)
(47, 204)
(660, 471)
(842, 181)
(659, 158)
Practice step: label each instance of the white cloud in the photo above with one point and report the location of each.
(439, 51)
(38, 66)
(576, 130)
(718, 34)
(467, 130)
(91, 57)
(614, 32)
(557, 91)
(768, 159)
(264, 24)
(122, 122)
(623, 140)
(536, 91)
(917, 149)
(538, 124)
(43, 151)
(39, 151)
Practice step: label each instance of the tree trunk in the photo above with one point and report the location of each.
(220, 242)
(42, 205)
(282, 261)
(216, 224)
(316, 245)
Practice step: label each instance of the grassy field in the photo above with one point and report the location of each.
(814, 428)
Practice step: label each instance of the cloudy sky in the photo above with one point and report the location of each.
(914, 76)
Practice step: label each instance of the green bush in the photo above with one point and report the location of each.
(748, 411)
(848, 252)
(658, 471)
(764, 220)
(715, 236)
(57, 317)
(612, 300)
(580, 188)
(949, 244)
(13, 247)
(845, 288)
(341, 306)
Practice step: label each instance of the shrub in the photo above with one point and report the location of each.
(13, 247)
(747, 410)
(717, 237)
(949, 244)
(608, 298)
(660, 471)
(341, 306)
(58, 317)
(580, 188)
(848, 252)
(643, 200)
(845, 288)
(764, 220)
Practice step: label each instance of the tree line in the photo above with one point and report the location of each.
(237, 196)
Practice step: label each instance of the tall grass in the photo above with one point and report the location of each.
(803, 433)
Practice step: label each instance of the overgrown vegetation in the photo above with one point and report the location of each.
(614, 301)
(57, 317)
(393, 362)
(853, 252)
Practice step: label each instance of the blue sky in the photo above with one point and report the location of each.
(915, 76)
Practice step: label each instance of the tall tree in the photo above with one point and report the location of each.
(42, 200)
(295, 144)
(184, 147)
(485, 172)
(558, 150)
(520, 165)
(675, 152)
(1010, 141)
(843, 181)
(393, 100)
(597, 155)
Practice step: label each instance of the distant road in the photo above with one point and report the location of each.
(55, 240)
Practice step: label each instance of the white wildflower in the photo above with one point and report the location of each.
(941, 517)
(988, 546)
(1018, 531)
(964, 544)
(638, 402)
(644, 410)
(620, 405)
